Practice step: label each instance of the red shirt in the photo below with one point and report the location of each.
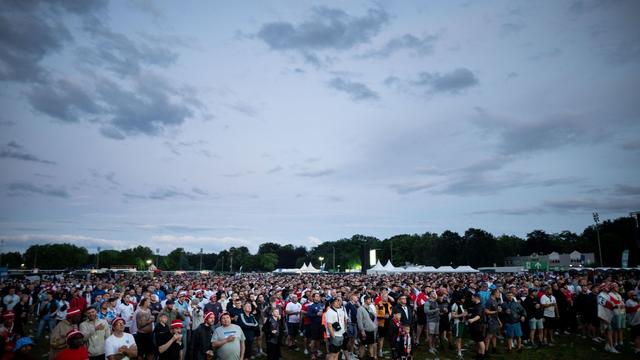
(306, 320)
(80, 353)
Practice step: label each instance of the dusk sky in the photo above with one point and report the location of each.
(216, 124)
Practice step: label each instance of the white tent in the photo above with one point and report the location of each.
(377, 269)
(390, 268)
(304, 268)
(445, 269)
(465, 269)
(311, 269)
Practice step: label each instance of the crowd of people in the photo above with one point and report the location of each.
(348, 316)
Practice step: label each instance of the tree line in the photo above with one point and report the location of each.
(476, 247)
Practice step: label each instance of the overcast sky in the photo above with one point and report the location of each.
(217, 124)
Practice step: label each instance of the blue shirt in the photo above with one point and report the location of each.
(312, 312)
(352, 312)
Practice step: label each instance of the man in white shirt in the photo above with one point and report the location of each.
(125, 311)
(11, 299)
(605, 314)
(293, 320)
(336, 322)
(548, 302)
(120, 345)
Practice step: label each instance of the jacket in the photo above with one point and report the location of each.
(201, 341)
(95, 338)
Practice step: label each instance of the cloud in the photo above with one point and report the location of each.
(627, 190)
(191, 228)
(632, 145)
(511, 28)
(514, 211)
(327, 28)
(200, 191)
(315, 173)
(62, 100)
(244, 109)
(31, 30)
(275, 170)
(418, 46)
(120, 54)
(489, 185)
(452, 82)
(408, 188)
(22, 242)
(161, 194)
(545, 54)
(356, 91)
(549, 132)
(313, 240)
(110, 177)
(194, 242)
(14, 151)
(26, 188)
(588, 204)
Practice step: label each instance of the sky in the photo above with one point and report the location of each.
(217, 124)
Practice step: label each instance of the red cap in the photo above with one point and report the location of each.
(72, 312)
(176, 324)
(208, 315)
(72, 333)
(113, 324)
(9, 314)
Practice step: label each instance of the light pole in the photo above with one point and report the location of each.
(201, 259)
(321, 258)
(157, 256)
(98, 258)
(596, 219)
(149, 262)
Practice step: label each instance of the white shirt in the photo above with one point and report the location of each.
(113, 343)
(10, 301)
(331, 316)
(293, 308)
(551, 310)
(604, 313)
(125, 312)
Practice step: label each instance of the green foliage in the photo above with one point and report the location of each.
(56, 256)
(12, 260)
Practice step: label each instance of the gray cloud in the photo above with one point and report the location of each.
(326, 29)
(109, 177)
(588, 204)
(627, 190)
(510, 28)
(30, 30)
(26, 188)
(244, 108)
(122, 55)
(357, 91)
(551, 132)
(275, 169)
(545, 54)
(631, 145)
(161, 194)
(199, 191)
(514, 211)
(452, 82)
(487, 185)
(14, 151)
(62, 100)
(418, 46)
(315, 173)
(409, 188)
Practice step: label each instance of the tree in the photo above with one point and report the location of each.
(56, 256)
(539, 242)
(480, 248)
(12, 260)
(268, 261)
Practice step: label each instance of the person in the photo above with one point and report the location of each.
(8, 334)
(95, 332)
(201, 337)
(399, 336)
(619, 316)
(458, 314)
(22, 310)
(292, 311)
(250, 327)
(58, 341)
(421, 298)
(144, 325)
(383, 314)
(316, 331)
(550, 313)
(228, 339)
(76, 350)
(535, 317)
(172, 348)
(633, 318)
(367, 325)
(432, 311)
(476, 324)
(47, 314)
(125, 310)
(336, 322)
(351, 309)
(273, 333)
(161, 332)
(11, 299)
(22, 350)
(120, 345)
(444, 323)
(214, 307)
(493, 323)
(515, 314)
